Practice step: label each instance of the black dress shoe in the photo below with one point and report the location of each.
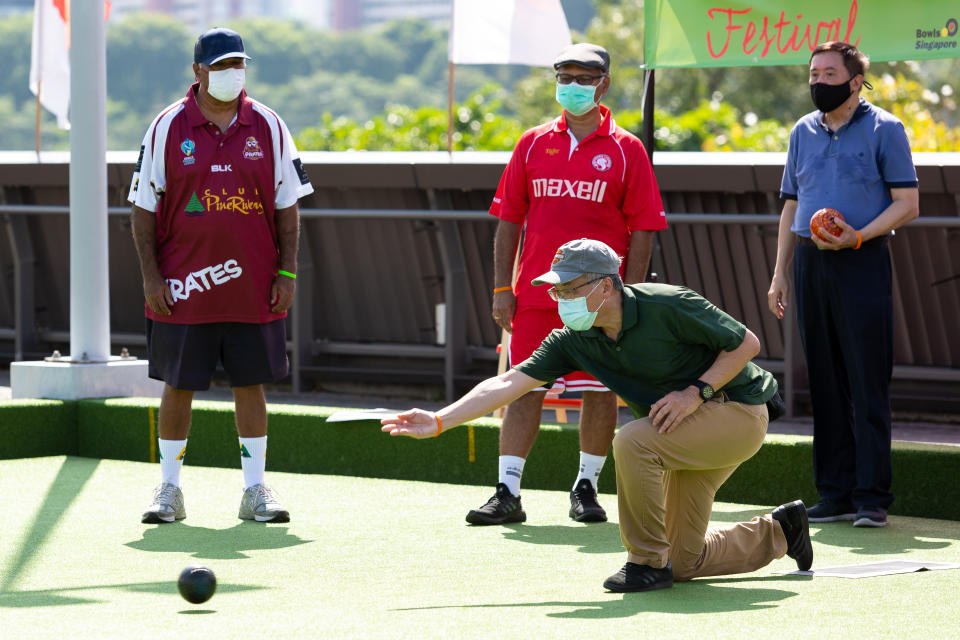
(640, 577)
(796, 529)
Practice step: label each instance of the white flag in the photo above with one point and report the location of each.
(529, 32)
(50, 58)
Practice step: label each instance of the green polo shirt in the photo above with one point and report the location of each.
(670, 336)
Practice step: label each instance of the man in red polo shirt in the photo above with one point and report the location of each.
(579, 176)
(216, 223)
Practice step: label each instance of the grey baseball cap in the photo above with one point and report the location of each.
(584, 54)
(578, 257)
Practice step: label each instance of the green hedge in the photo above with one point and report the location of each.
(33, 428)
(301, 441)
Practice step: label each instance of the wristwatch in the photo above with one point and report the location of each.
(706, 391)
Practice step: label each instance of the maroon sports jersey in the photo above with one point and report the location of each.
(215, 195)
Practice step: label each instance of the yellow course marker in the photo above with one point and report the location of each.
(153, 434)
(471, 445)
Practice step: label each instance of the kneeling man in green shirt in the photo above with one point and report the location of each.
(684, 368)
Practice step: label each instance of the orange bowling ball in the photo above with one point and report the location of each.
(825, 220)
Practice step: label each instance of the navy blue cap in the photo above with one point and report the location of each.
(217, 44)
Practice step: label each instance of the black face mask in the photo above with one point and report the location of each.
(828, 97)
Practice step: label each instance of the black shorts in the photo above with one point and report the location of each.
(186, 355)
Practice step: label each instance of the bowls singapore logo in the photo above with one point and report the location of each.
(944, 37)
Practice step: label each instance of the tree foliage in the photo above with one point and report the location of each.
(386, 87)
(477, 125)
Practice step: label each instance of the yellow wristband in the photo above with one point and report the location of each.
(859, 241)
(499, 289)
(281, 272)
(439, 425)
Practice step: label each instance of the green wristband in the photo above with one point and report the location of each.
(281, 272)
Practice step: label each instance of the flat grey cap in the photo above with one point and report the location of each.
(584, 54)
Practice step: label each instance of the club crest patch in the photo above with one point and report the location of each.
(557, 258)
(601, 162)
(251, 149)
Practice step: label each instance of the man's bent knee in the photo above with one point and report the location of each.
(636, 432)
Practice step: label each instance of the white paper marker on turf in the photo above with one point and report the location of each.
(363, 414)
(873, 569)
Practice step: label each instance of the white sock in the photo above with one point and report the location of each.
(590, 468)
(253, 459)
(511, 471)
(171, 460)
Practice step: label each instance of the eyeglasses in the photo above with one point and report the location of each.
(567, 294)
(584, 79)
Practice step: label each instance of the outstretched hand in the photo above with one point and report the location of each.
(415, 423)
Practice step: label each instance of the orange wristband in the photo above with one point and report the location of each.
(439, 425)
(859, 241)
(499, 289)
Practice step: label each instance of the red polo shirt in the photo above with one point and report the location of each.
(215, 195)
(603, 188)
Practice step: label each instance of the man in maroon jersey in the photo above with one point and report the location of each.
(578, 176)
(216, 223)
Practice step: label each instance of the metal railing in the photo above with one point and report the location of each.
(304, 345)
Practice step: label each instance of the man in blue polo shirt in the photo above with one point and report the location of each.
(684, 368)
(854, 157)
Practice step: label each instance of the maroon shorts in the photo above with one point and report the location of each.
(530, 327)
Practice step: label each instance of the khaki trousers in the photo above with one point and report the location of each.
(666, 484)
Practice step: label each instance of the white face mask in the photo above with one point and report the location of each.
(225, 85)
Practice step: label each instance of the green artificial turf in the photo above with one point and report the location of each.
(382, 558)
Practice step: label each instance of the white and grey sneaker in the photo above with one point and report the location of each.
(260, 504)
(167, 505)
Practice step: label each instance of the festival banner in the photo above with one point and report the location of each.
(736, 33)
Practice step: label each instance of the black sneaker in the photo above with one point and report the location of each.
(583, 503)
(502, 508)
(640, 577)
(829, 511)
(796, 529)
(871, 517)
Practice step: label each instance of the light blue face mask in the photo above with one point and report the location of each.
(575, 314)
(576, 98)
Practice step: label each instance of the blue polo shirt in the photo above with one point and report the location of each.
(851, 170)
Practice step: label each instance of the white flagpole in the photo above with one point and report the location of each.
(450, 84)
(36, 133)
(450, 112)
